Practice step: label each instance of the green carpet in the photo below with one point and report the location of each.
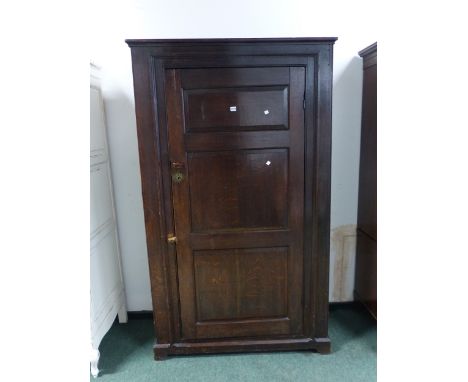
(127, 355)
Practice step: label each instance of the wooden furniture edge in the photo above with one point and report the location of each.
(320, 345)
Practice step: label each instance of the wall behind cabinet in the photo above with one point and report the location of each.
(113, 22)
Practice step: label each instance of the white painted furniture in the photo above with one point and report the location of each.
(107, 287)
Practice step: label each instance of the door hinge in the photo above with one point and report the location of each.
(171, 238)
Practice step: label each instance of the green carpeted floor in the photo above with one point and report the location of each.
(127, 355)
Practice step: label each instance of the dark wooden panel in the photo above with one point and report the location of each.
(180, 201)
(243, 328)
(200, 53)
(296, 199)
(240, 61)
(369, 55)
(366, 272)
(240, 239)
(236, 140)
(321, 345)
(237, 284)
(310, 218)
(148, 128)
(365, 288)
(321, 194)
(233, 77)
(248, 108)
(238, 189)
(367, 210)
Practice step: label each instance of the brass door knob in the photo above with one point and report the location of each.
(177, 177)
(178, 170)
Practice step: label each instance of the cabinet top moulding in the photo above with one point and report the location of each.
(370, 49)
(233, 41)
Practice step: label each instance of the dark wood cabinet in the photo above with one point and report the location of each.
(234, 141)
(366, 248)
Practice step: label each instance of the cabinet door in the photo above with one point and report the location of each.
(236, 146)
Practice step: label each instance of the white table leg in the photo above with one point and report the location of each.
(122, 314)
(94, 362)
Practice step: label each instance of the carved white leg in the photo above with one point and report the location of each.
(94, 362)
(122, 313)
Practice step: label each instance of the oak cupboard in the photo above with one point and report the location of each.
(234, 141)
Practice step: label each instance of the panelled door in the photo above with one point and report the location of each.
(236, 146)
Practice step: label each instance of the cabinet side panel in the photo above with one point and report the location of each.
(150, 167)
(322, 188)
(367, 206)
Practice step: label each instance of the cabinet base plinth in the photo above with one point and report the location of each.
(320, 345)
